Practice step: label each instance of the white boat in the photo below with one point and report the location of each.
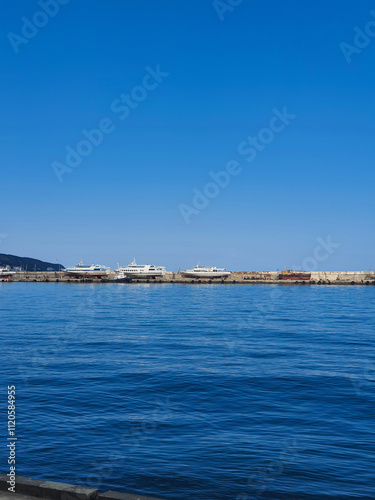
(94, 271)
(135, 270)
(6, 273)
(205, 272)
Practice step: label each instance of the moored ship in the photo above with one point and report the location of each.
(93, 271)
(135, 270)
(205, 272)
(294, 275)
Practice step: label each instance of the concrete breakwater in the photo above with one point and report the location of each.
(237, 277)
(30, 489)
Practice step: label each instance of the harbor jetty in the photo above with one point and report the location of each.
(33, 489)
(237, 277)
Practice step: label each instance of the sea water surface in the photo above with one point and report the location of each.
(205, 392)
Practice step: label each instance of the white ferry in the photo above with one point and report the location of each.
(6, 273)
(134, 270)
(94, 271)
(205, 272)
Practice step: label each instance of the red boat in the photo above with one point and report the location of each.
(294, 276)
(5, 273)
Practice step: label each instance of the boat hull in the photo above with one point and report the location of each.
(86, 274)
(5, 275)
(207, 275)
(144, 275)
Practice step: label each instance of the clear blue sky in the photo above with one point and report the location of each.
(225, 77)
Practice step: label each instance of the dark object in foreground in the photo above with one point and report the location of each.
(32, 489)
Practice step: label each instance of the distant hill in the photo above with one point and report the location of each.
(28, 263)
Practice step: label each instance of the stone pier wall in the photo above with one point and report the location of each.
(242, 277)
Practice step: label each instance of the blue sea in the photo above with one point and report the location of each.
(204, 392)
